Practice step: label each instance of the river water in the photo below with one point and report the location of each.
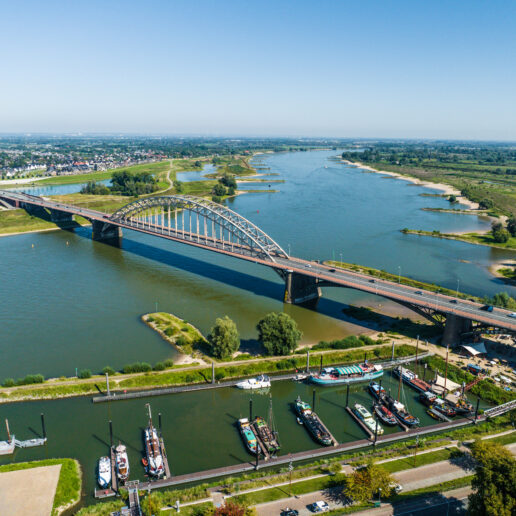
(69, 302)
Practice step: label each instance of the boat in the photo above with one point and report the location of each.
(268, 437)
(300, 377)
(248, 435)
(433, 413)
(122, 462)
(104, 472)
(385, 415)
(7, 447)
(377, 390)
(461, 406)
(312, 422)
(299, 422)
(260, 382)
(427, 398)
(444, 408)
(347, 374)
(367, 418)
(402, 414)
(411, 378)
(154, 457)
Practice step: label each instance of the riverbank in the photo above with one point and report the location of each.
(445, 188)
(485, 239)
(505, 270)
(59, 388)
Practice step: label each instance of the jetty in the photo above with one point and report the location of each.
(360, 423)
(439, 415)
(7, 447)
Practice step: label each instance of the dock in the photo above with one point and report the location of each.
(114, 478)
(335, 442)
(439, 415)
(165, 458)
(262, 446)
(202, 476)
(360, 423)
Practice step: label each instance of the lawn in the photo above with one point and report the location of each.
(421, 460)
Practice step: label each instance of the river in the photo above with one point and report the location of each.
(74, 303)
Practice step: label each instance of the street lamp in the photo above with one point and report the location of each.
(399, 274)
(341, 259)
(458, 287)
(289, 250)
(379, 495)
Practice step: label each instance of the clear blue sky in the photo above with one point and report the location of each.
(382, 68)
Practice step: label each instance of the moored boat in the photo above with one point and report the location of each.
(312, 422)
(104, 472)
(377, 390)
(367, 418)
(347, 374)
(427, 398)
(461, 405)
(411, 378)
(122, 462)
(444, 408)
(402, 414)
(154, 456)
(248, 435)
(260, 382)
(268, 437)
(385, 415)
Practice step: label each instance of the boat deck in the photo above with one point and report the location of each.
(360, 423)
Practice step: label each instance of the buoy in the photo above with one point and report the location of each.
(32, 246)
(67, 243)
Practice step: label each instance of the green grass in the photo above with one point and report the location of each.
(421, 460)
(68, 489)
(508, 272)
(504, 439)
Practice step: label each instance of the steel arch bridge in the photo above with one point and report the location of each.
(200, 220)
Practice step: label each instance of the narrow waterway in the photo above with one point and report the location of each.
(68, 302)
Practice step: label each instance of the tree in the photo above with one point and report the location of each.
(452, 198)
(500, 234)
(494, 483)
(486, 204)
(233, 509)
(178, 186)
(511, 226)
(278, 333)
(223, 338)
(366, 482)
(219, 190)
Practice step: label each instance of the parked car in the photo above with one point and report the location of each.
(397, 488)
(289, 512)
(320, 506)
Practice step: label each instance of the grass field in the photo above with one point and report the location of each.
(68, 489)
(421, 460)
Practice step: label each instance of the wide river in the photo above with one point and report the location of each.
(68, 302)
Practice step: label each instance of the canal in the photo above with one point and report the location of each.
(198, 427)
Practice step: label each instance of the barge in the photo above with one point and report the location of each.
(312, 422)
(347, 374)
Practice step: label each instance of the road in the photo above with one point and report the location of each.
(339, 277)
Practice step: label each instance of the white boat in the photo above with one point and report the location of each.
(300, 377)
(7, 447)
(154, 458)
(261, 382)
(367, 419)
(122, 462)
(104, 472)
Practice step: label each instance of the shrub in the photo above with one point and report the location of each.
(108, 370)
(168, 363)
(159, 366)
(84, 373)
(150, 318)
(137, 367)
(219, 375)
(170, 331)
(30, 379)
(9, 382)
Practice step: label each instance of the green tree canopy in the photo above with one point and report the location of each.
(365, 483)
(278, 333)
(500, 234)
(494, 483)
(223, 338)
(511, 226)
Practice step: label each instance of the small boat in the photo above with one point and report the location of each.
(367, 418)
(461, 406)
(299, 422)
(347, 375)
(427, 398)
(385, 415)
(300, 377)
(399, 410)
(376, 390)
(104, 472)
(248, 435)
(155, 466)
(260, 382)
(312, 422)
(443, 407)
(122, 462)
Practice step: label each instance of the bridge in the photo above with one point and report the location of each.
(208, 225)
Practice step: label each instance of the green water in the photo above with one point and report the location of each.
(198, 427)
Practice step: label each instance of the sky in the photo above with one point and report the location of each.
(370, 69)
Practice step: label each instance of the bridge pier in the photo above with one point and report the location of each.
(104, 231)
(61, 218)
(300, 288)
(454, 327)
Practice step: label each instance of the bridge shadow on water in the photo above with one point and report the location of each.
(255, 284)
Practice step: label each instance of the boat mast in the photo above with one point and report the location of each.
(446, 371)
(150, 415)
(399, 384)
(8, 433)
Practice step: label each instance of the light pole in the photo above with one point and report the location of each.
(289, 250)
(399, 274)
(380, 495)
(341, 259)
(156, 307)
(458, 287)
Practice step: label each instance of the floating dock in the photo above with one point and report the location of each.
(165, 458)
(360, 423)
(439, 415)
(114, 478)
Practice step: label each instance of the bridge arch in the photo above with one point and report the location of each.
(227, 227)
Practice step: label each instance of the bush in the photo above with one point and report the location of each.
(84, 373)
(30, 379)
(108, 370)
(170, 331)
(278, 333)
(137, 367)
(169, 363)
(159, 366)
(9, 382)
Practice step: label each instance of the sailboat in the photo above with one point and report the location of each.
(399, 409)
(154, 458)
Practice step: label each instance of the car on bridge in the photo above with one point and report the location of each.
(512, 314)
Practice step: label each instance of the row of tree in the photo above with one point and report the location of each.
(277, 332)
(502, 234)
(226, 185)
(124, 183)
